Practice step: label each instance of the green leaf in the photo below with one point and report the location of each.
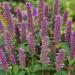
(24, 46)
(2, 72)
(46, 66)
(52, 58)
(58, 73)
(71, 62)
(66, 47)
(15, 69)
(34, 73)
(1, 40)
(21, 73)
(61, 73)
(28, 70)
(36, 67)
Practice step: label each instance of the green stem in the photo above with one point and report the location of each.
(32, 60)
(48, 73)
(42, 70)
(6, 73)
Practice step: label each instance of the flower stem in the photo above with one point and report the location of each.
(42, 70)
(6, 73)
(32, 60)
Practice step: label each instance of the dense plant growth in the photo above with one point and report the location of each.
(37, 40)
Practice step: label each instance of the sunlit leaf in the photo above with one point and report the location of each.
(15, 69)
(3, 20)
(66, 47)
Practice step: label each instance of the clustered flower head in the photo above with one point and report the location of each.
(55, 11)
(29, 17)
(25, 34)
(68, 31)
(19, 14)
(72, 42)
(8, 17)
(57, 34)
(16, 31)
(1, 28)
(44, 59)
(8, 41)
(60, 59)
(40, 11)
(35, 12)
(44, 26)
(3, 60)
(31, 43)
(65, 16)
(12, 58)
(22, 58)
(45, 10)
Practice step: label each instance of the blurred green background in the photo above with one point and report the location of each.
(68, 5)
(65, 4)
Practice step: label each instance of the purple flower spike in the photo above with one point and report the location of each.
(17, 32)
(3, 60)
(29, 5)
(1, 28)
(31, 42)
(22, 58)
(35, 13)
(56, 10)
(19, 15)
(8, 17)
(68, 31)
(56, 7)
(60, 59)
(72, 42)
(65, 16)
(57, 34)
(44, 26)
(23, 32)
(45, 11)
(40, 11)
(12, 58)
(8, 42)
(44, 59)
(29, 17)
